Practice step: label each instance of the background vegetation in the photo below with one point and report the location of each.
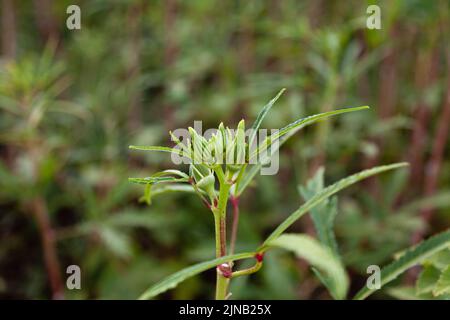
(72, 101)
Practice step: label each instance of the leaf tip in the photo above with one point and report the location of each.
(402, 164)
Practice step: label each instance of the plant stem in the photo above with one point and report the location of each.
(217, 232)
(248, 271)
(52, 265)
(39, 210)
(221, 286)
(220, 229)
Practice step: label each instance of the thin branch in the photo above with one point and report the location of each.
(39, 210)
(434, 165)
(40, 213)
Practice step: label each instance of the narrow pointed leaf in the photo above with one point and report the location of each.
(173, 280)
(326, 193)
(293, 127)
(247, 178)
(153, 180)
(262, 114)
(289, 131)
(158, 148)
(179, 173)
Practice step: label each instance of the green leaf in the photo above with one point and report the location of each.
(158, 177)
(147, 197)
(410, 258)
(318, 256)
(173, 280)
(427, 279)
(177, 187)
(153, 180)
(262, 114)
(323, 215)
(247, 178)
(443, 283)
(172, 172)
(440, 260)
(404, 293)
(326, 193)
(158, 148)
(289, 131)
(295, 126)
(180, 144)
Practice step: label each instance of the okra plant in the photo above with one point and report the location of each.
(222, 166)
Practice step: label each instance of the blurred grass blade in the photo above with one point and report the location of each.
(439, 200)
(326, 193)
(158, 148)
(116, 241)
(153, 180)
(319, 256)
(173, 280)
(262, 114)
(409, 259)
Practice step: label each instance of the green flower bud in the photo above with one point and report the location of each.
(240, 143)
(197, 146)
(207, 184)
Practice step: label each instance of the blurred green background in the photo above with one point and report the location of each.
(71, 101)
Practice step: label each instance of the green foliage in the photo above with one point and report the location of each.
(323, 215)
(69, 108)
(443, 284)
(410, 258)
(319, 256)
(434, 277)
(173, 280)
(432, 282)
(262, 114)
(224, 155)
(427, 279)
(326, 193)
(283, 135)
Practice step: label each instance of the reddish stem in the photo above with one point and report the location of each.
(433, 168)
(434, 165)
(40, 213)
(427, 69)
(39, 210)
